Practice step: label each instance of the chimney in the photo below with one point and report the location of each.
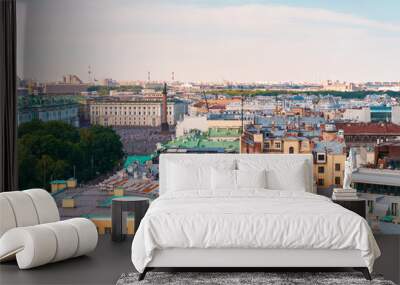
(164, 121)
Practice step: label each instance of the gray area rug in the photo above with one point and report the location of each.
(228, 278)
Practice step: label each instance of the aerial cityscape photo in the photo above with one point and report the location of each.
(101, 97)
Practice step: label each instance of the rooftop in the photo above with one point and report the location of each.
(377, 176)
(224, 132)
(390, 143)
(142, 159)
(369, 128)
(330, 146)
(224, 116)
(194, 141)
(45, 101)
(380, 109)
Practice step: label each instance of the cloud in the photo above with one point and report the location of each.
(256, 42)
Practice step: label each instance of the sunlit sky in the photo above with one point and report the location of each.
(293, 40)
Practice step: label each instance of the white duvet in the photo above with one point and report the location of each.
(250, 219)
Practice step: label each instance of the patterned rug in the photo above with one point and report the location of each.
(243, 278)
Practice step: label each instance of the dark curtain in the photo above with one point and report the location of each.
(8, 97)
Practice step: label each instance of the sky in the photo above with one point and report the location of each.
(246, 41)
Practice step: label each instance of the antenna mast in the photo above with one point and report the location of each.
(89, 74)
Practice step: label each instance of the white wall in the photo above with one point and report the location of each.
(359, 115)
(396, 115)
(191, 123)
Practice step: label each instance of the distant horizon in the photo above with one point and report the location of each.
(214, 82)
(210, 41)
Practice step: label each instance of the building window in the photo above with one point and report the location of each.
(320, 182)
(321, 169)
(321, 158)
(337, 180)
(291, 149)
(278, 145)
(370, 206)
(394, 209)
(337, 166)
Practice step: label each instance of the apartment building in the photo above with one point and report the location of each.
(329, 159)
(287, 145)
(379, 180)
(368, 134)
(329, 156)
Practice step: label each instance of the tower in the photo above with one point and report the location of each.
(164, 121)
(148, 76)
(89, 74)
(173, 76)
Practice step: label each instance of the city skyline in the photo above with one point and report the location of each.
(228, 40)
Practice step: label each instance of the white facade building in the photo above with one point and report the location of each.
(134, 113)
(396, 115)
(379, 186)
(191, 123)
(362, 115)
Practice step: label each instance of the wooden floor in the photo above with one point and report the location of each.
(103, 266)
(110, 259)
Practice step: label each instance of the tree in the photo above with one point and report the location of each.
(43, 167)
(51, 150)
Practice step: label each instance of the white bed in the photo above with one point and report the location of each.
(248, 226)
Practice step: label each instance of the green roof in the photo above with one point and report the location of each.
(387, 219)
(199, 141)
(225, 132)
(58, 182)
(142, 159)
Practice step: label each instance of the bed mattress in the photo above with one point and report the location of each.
(250, 219)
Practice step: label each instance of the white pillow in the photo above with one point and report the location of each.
(182, 177)
(290, 178)
(189, 176)
(251, 178)
(223, 179)
(282, 173)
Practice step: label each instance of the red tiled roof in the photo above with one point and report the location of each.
(217, 106)
(198, 104)
(368, 128)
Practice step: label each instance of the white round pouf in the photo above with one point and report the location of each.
(32, 246)
(67, 240)
(87, 235)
